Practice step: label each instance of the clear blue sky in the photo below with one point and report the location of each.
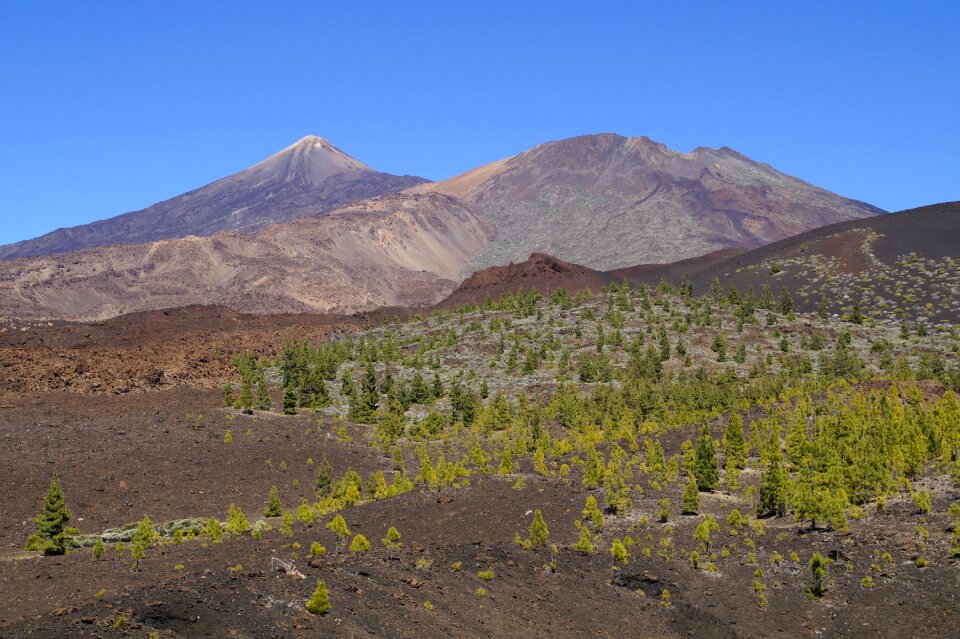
(109, 107)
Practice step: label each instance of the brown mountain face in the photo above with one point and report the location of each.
(606, 201)
(541, 272)
(395, 250)
(307, 178)
(603, 201)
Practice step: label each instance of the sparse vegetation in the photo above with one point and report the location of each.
(821, 425)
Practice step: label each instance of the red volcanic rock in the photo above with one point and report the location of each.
(540, 271)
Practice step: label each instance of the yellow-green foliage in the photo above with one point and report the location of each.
(319, 601)
(584, 542)
(359, 545)
(237, 523)
(619, 551)
(339, 527)
(392, 539)
(591, 513)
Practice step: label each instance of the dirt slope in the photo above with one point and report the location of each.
(398, 249)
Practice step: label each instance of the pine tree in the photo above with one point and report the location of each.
(289, 400)
(392, 540)
(584, 543)
(319, 602)
(856, 315)
(734, 443)
(619, 551)
(664, 345)
(593, 470)
(719, 347)
(591, 513)
(419, 393)
(774, 486)
(787, 305)
(818, 568)
(286, 524)
(363, 403)
(53, 536)
(245, 400)
(324, 478)
(686, 285)
(703, 530)
(506, 462)
(237, 523)
(370, 396)
(339, 527)
(691, 497)
(142, 540)
(538, 534)
(716, 289)
(313, 390)
(263, 396)
(228, 398)
(705, 466)
(214, 530)
(98, 549)
(359, 545)
(274, 507)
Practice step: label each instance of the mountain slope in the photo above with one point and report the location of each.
(607, 201)
(541, 272)
(307, 178)
(902, 263)
(395, 250)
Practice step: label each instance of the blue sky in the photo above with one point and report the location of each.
(109, 107)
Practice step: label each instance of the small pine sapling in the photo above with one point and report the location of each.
(818, 569)
(339, 528)
(319, 602)
(359, 545)
(392, 540)
(538, 534)
(691, 497)
(585, 542)
(274, 507)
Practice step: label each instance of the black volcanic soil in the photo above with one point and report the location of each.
(651, 273)
(121, 457)
(932, 233)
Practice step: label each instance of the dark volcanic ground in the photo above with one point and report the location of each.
(122, 457)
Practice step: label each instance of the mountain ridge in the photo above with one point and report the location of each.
(397, 249)
(580, 197)
(603, 202)
(309, 177)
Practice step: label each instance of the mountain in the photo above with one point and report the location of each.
(608, 201)
(541, 272)
(901, 264)
(307, 178)
(394, 250)
(600, 203)
(905, 263)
